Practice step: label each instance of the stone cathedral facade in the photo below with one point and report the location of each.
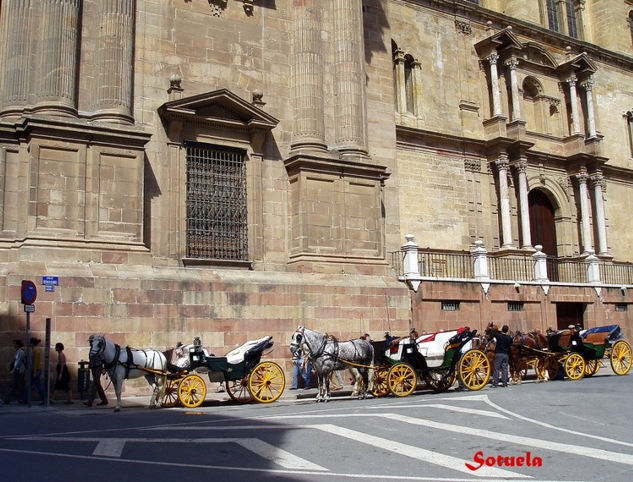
(231, 169)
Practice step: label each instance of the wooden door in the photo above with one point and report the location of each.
(542, 225)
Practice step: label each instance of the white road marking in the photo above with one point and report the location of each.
(424, 455)
(554, 427)
(567, 448)
(113, 447)
(473, 411)
(188, 466)
(109, 447)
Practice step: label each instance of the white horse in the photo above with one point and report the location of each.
(328, 354)
(130, 363)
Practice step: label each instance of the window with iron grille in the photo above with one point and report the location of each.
(621, 307)
(571, 19)
(450, 305)
(216, 203)
(515, 306)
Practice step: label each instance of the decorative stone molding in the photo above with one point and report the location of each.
(463, 27)
(472, 165)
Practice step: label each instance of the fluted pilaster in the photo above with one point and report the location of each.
(115, 61)
(16, 30)
(307, 79)
(349, 77)
(56, 75)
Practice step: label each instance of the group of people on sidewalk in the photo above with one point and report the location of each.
(18, 389)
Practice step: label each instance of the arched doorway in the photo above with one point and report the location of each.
(542, 227)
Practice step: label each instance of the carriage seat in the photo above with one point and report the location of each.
(596, 338)
(433, 346)
(237, 355)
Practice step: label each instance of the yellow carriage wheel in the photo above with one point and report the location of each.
(592, 367)
(621, 357)
(402, 379)
(266, 382)
(192, 391)
(238, 390)
(380, 384)
(170, 399)
(574, 366)
(474, 369)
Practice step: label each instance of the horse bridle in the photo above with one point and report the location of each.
(301, 342)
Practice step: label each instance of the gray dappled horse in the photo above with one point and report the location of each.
(130, 363)
(328, 354)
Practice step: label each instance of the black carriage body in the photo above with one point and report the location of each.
(417, 360)
(219, 364)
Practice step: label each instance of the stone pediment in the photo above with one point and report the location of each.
(502, 40)
(581, 65)
(219, 107)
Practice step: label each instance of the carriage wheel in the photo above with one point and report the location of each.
(592, 367)
(441, 380)
(170, 399)
(380, 382)
(192, 391)
(621, 357)
(266, 382)
(546, 366)
(574, 366)
(238, 390)
(474, 369)
(402, 379)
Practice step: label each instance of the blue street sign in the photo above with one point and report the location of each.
(50, 281)
(29, 292)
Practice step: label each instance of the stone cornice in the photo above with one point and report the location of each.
(69, 129)
(478, 14)
(330, 165)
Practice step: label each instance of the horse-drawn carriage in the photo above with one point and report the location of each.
(436, 358)
(578, 352)
(246, 377)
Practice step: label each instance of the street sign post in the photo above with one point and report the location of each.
(29, 295)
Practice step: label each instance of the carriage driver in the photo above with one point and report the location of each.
(502, 350)
(95, 363)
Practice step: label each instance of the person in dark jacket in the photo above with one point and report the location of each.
(503, 342)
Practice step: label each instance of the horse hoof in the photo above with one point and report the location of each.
(117, 409)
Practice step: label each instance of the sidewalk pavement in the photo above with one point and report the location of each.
(142, 401)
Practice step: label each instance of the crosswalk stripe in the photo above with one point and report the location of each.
(113, 447)
(472, 411)
(567, 448)
(424, 455)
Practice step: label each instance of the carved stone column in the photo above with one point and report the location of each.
(115, 61)
(349, 78)
(307, 77)
(418, 98)
(494, 82)
(504, 201)
(573, 99)
(591, 118)
(521, 168)
(401, 89)
(584, 211)
(16, 29)
(597, 181)
(514, 86)
(56, 72)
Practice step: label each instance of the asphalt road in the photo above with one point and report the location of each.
(560, 430)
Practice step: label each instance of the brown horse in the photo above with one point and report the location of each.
(524, 351)
(488, 345)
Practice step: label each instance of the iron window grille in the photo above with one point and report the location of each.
(516, 306)
(450, 305)
(216, 203)
(621, 307)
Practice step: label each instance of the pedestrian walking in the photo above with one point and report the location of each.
(302, 368)
(62, 381)
(36, 374)
(17, 369)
